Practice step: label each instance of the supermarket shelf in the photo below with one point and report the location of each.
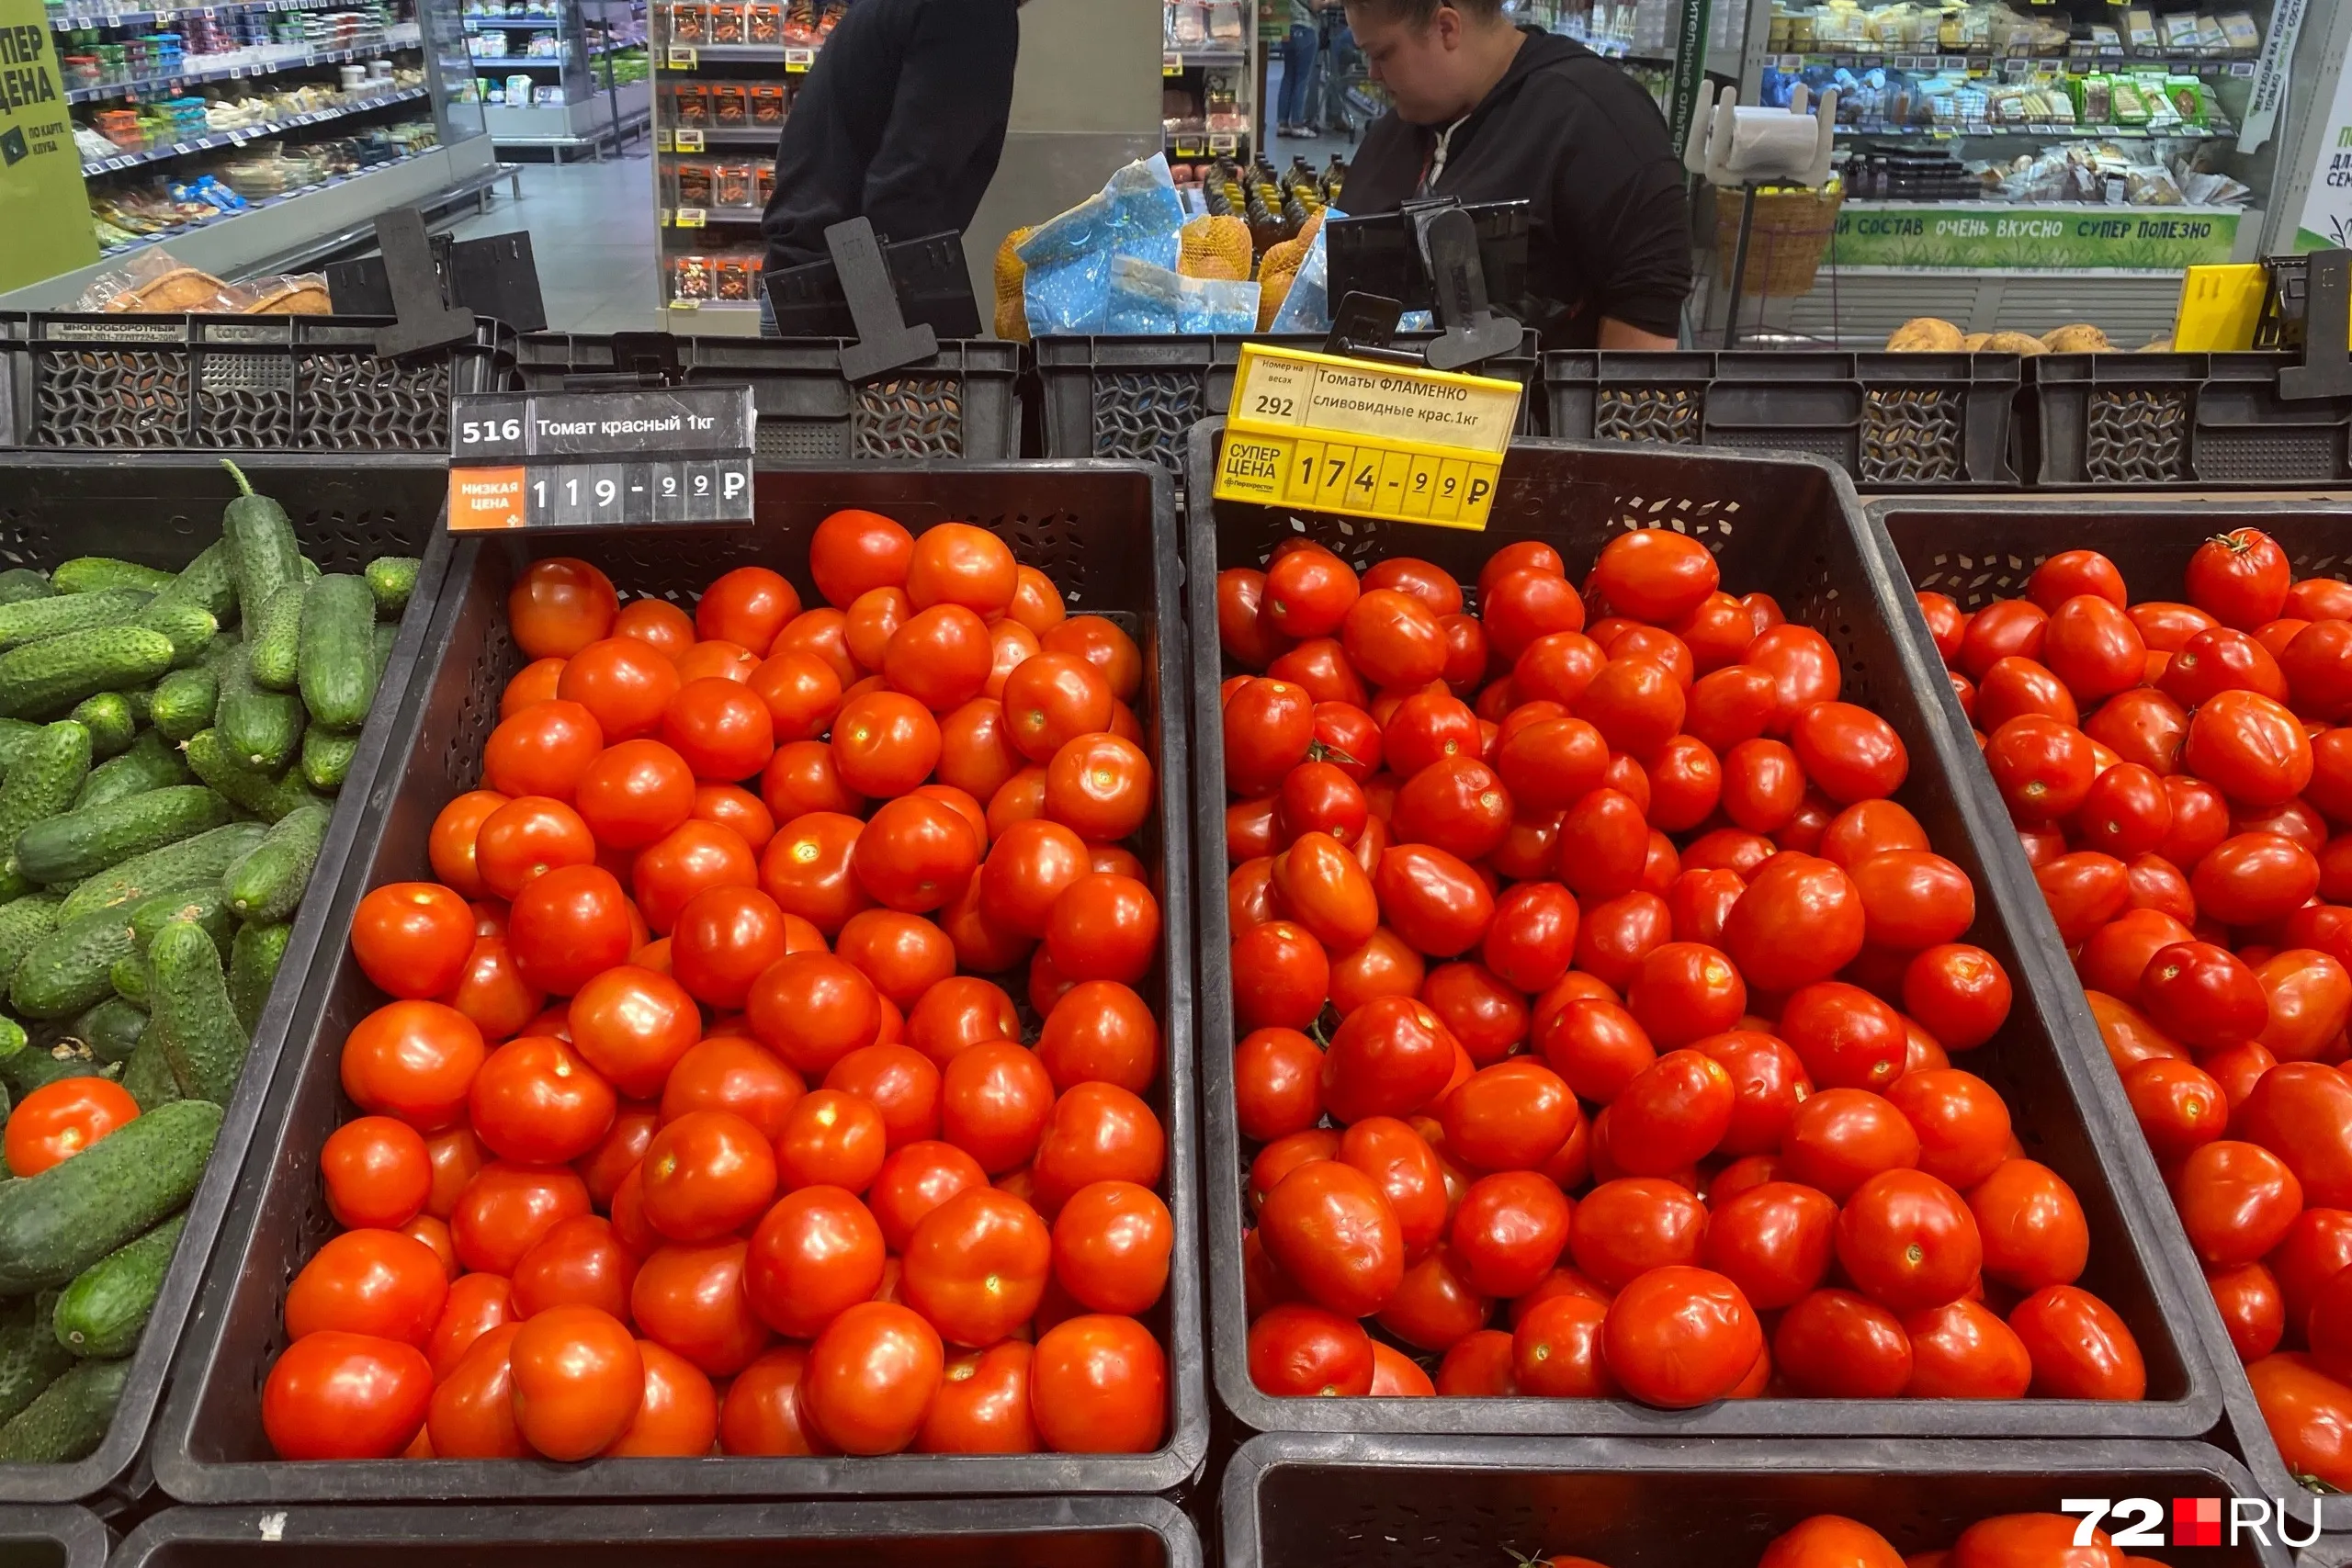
(67, 20)
(1177, 59)
(2212, 131)
(250, 134)
(1863, 60)
(674, 141)
(1203, 144)
(172, 84)
(475, 23)
(557, 60)
(703, 217)
(582, 124)
(687, 57)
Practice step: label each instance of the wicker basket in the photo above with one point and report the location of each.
(1792, 233)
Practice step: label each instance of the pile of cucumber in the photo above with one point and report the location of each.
(170, 743)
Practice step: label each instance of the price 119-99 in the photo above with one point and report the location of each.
(692, 490)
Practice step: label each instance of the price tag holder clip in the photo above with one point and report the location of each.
(623, 457)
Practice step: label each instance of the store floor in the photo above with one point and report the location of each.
(591, 237)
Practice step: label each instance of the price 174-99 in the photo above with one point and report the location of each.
(474, 432)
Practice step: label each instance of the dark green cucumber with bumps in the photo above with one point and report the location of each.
(80, 844)
(254, 958)
(338, 671)
(19, 584)
(263, 551)
(151, 763)
(132, 980)
(30, 1069)
(147, 1076)
(56, 673)
(67, 1420)
(200, 859)
(206, 904)
(392, 580)
(30, 1357)
(57, 1224)
(326, 757)
(111, 1031)
(207, 582)
(267, 884)
(42, 783)
(191, 628)
(89, 575)
(267, 796)
(184, 700)
(273, 641)
(103, 1312)
(380, 645)
(14, 733)
(190, 1015)
(71, 967)
(110, 721)
(23, 922)
(262, 729)
(31, 620)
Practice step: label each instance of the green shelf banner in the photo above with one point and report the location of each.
(2152, 239)
(44, 211)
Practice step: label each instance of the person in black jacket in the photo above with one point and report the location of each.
(901, 121)
(1486, 111)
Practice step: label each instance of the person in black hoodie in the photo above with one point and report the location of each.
(1486, 111)
(901, 121)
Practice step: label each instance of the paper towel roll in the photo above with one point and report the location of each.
(1771, 143)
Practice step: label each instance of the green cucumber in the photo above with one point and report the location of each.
(67, 1420)
(337, 670)
(267, 796)
(71, 967)
(205, 904)
(254, 958)
(380, 645)
(30, 1357)
(14, 1042)
(265, 885)
(184, 700)
(149, 764)
(14, 733)
(111, 1031)
(30, 620)
(89, 575)
(19, 584)
(311, 572)
(392, 579)
(190, 628)
(132, 980)
(23, 922)
(109, 720)
(42, 784)
(261, 728)
(57, 1224)
(190, 1015)
(147, 1076)
(208, 583)
(263, 550)
(80, 844)
(200, 859)
(28, 1070)
(58, 671)
(326, 757)
(273, 641)
(103, 1312)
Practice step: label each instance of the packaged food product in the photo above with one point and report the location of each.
(735, 274)
(689, 22)
(690, 277)
(2140, 27)
(2180, 31)
(727, 22)
(693, 185)
(731, 104)
(2239, 32)
(763, 23)
(767, 104)
(694, 104)
(731, 185)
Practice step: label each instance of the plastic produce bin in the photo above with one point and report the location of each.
(2162, 421)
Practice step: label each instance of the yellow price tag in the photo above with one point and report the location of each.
(1325, 434)
(689, 141)
(2220, 307)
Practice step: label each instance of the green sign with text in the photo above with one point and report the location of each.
(2154, 239)
(44, 211)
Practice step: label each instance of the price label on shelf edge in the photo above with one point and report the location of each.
(1330, 435)
(635, 457)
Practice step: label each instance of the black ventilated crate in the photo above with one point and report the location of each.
(2209, 421)
(230, 383)
(160, 510)
(1138, 397)
(1891, 421)
(960, 404)
(1979, 551)
(1067, 1532)
(1788, 525)
(54, 1537)
(1106, 535)
(1334, 1502)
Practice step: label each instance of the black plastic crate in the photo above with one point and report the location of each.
(2211, 421)
(1106, 535)
(1891, 421)
(53, 1536)
(230, 383)
(161, 509)
(1788, 525)
(1979, 551)
(1138, 397)
(1333, 1502)
(1068, 1532)
(961, 403)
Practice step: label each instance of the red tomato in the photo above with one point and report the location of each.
(412, 939)
(369, 1282)
(542, 750)
(872, 1373)
(61, 1119)
(340, 1395)
(559, 606)
(1680, 1337)
(2080, 1348)
(568, 925)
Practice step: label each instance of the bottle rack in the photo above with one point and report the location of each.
(560, 75)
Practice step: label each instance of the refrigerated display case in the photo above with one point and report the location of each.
(564, 76)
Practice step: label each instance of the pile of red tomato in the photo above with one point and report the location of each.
(1573, 1109)
(2181, 776)
(2006, 1540)
(694, 1125)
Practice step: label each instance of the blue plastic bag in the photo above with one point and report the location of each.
(1067, 287)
